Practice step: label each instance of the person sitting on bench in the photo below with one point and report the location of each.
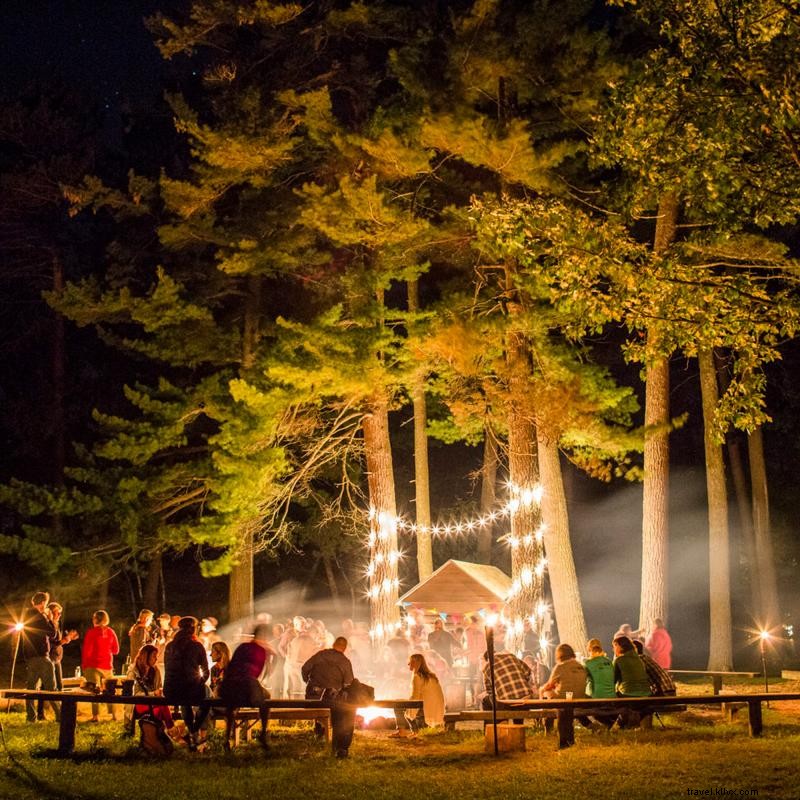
(241, 684)
(630, 678)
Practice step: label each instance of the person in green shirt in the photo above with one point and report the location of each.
(600, 671)
(599, 678)
(630, 678)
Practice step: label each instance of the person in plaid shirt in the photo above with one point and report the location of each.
(661, 683)
(512, 679)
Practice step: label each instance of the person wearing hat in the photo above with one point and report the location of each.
(186, 672)
(208, 632)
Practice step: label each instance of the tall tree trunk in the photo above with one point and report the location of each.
(747, 547)
(150, 593)
(384, 555)
(655, 502)
(488, 494)
(567, 605)
(765, 559)
(720, 652)
(241, 581)
(745, 511)
(421, 474)
(332, 585)
(526, 600)
(58, 375)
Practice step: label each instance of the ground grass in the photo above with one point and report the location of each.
(696, 751)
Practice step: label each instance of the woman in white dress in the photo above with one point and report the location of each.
(425, 686)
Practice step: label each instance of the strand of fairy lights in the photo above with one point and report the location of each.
(386, 523)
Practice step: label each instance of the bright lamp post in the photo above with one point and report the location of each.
(491, 621)
(17, 628)
(763, 638)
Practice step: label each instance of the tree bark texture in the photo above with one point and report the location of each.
(488, 494)
(330, 575)
(241, 580)
(765, 558)
(383, 578)
(421, 473)
(747, 547)
(527, 552)
(655, 501)
(720, 652)
(150, 593)
(567, 605)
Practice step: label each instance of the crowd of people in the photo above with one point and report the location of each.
(188, 661)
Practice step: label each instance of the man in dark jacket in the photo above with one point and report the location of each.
(37, 634)
(186, 672)
(326, 673)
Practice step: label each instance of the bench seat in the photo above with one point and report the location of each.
(245, 720)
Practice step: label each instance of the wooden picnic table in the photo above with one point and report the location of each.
(69, 706)
(715, 675)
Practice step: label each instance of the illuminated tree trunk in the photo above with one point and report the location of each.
(421, 475)
(567, 605)
(240, 583)
(720, 653)
(382, 571)
(150, 593)
(526, 600)
(488, 494)
(747, 548)
(767, 579)
(655, 502)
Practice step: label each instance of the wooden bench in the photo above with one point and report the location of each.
(245, 720)
(715, 675)
(567, 709)
(451, 719)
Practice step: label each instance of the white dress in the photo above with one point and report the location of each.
(432, 696)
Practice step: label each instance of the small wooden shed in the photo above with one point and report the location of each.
(459, 588)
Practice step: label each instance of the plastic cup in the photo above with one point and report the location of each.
(568, 695)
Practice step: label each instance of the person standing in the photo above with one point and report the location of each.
(37, 635)
(326, 673)
(658, 644)
(140, 633)
(186, 672)
(443, 642)
(100, 645)
(53, 612)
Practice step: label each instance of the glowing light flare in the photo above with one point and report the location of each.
(526, 576)
(374, 712)
(491, 620)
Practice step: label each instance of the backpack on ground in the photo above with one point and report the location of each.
(154, 739)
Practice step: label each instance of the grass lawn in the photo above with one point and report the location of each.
(695, 751)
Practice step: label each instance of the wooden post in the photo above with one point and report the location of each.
(66, 730)
(716, 682)
(566, 727)
(756, 723)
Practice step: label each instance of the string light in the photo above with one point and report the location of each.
(526, 547)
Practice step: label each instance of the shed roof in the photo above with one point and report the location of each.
(460, 587)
